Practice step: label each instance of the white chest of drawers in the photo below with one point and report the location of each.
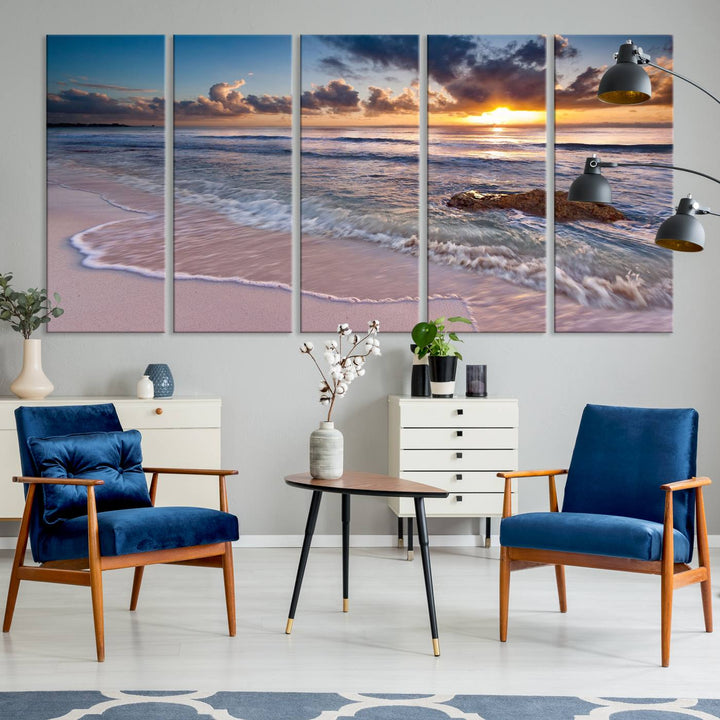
(176, 432)
(458, 444)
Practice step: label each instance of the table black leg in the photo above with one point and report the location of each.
(425, 553)
(309, 530)
(346, 548)
(400, 532)
(410, 551)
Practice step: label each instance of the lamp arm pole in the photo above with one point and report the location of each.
(682, 77)
(660, 165)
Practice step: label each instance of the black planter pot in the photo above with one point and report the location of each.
(442, 375)
(420, 378)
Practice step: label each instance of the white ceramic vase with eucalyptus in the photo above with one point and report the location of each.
(32, 383)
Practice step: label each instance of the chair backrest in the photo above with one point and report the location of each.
(55, 421)
(623, 454)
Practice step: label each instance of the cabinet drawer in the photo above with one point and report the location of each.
(459, 413)
(457, 460)
(462, 437)
(459, 482)
(455, 505)
(142, 415)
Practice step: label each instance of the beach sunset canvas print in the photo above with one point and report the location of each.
(486, 180)
(359, 181)
(610, 276)
(232, 224)
(105, 181)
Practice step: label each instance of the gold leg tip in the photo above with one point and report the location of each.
(401, 542)
(288, 627)
(346, 605)
(436, 647)
(410, 555)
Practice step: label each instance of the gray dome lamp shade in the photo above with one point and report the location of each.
(682, 232)
(591, 186)
(626, 83)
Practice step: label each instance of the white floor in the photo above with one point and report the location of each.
(607, 644)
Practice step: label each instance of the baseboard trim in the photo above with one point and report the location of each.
(335, 541)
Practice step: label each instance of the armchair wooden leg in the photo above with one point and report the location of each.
(504, 591)
(18, 560)
(229, 578)
(704, 559)
(560, 580)
(137, 581)
(667, 580)
(96, 588)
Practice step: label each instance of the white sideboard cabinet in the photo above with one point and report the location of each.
(176, 432)
(458, 444)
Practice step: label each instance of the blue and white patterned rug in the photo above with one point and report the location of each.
(189, 705)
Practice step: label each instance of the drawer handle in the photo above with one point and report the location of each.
(458, 433)
(458, 455)
(158, 411)
(458, 476)
(458, 498)
(459, 411)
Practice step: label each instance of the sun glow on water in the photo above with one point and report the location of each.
(505, 116)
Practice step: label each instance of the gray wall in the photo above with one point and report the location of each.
(267, 387)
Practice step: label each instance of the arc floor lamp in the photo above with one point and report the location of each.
(626, 83)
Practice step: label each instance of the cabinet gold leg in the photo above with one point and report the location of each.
(410, 554)
(288, 627)
(436, 647)
(346, 605)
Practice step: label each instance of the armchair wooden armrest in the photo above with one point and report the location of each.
(57, 481)
(509, 476)
(695, 482)
(188, 471)
(219, 474)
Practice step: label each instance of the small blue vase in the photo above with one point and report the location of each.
(162, 379)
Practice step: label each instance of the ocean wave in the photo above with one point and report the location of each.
(240, 137)
(234, 279)
(628, 292)
(497, 260)
(635, 147)
(402, 159)
(254, 208)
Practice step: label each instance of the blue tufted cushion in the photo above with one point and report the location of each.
(592, 534)
(138, 530)
(114, 457)
(623, 454)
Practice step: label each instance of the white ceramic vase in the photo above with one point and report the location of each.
(326, 452)
(145, 388)
(32, 383)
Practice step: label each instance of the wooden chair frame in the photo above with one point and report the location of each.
(88, 571)
(672, 575)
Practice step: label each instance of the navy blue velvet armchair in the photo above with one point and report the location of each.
(631, 503)
(88, 509)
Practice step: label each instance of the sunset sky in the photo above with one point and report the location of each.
(581, 60)
(495, 80)
(106, 79)
(359, 80)
(233, 80)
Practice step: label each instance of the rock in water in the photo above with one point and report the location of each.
(533, 203)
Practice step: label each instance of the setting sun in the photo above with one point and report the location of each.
(505, 116)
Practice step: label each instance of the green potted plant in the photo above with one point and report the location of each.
(432, 339)
(26, 311)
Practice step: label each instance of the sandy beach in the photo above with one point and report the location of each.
(96, 300)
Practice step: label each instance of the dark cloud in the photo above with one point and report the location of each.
(477, 77)
(379, 51)
(381, 101)
(73, 105)
(448, 54)
(121, 88)
(335, 66)
(225, 100)
(335, 97)
(563, 48)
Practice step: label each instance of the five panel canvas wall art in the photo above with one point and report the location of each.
(362, 211)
